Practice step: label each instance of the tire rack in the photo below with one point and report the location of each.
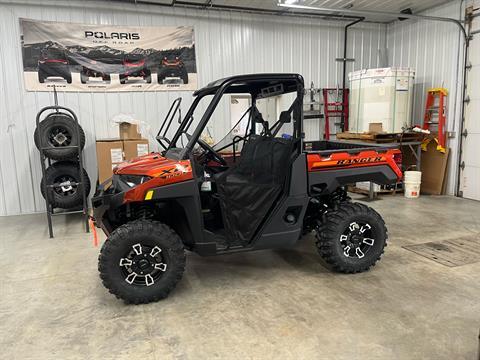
(48, 188)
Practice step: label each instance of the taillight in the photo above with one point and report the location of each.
(397, 157)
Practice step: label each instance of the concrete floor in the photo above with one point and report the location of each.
(263, 305)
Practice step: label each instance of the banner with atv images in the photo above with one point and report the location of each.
(80, 57)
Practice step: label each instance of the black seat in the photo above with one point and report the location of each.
(249, 188)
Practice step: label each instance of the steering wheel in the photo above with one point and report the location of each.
(212, 152)
(216, 156)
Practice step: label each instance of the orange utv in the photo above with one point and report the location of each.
(217, 199)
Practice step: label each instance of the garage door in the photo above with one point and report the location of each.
(470, 175)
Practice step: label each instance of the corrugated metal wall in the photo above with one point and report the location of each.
(435, 51)
(226, 43)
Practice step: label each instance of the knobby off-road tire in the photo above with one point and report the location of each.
(148, 77)
(161, 76)
(63, 173)
(352, 226)
(129, 249)
(57, 132)
(83, 78)
(184, 77)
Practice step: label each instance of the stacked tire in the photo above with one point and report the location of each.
(58, 137)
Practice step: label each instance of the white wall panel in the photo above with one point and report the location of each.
(227, 43)
(435, 51)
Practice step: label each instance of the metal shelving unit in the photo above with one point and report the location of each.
(48, 188)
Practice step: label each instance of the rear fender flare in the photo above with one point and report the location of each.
(330, 180)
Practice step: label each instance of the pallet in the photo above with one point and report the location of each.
(380, 137)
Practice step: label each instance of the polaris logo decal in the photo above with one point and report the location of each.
(359, 161)
(112, 35)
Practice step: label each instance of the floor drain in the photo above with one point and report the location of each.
(453, 252)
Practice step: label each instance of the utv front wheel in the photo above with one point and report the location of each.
(352, 238)
(41, 77)
(83, 78)
(148, 77)
(142, 261)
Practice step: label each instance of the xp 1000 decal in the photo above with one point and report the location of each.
(81, 57)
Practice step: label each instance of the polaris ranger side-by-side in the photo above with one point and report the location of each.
(217, 199)
(135, 65)
(54, 62)
(96, 69)
(172, 67)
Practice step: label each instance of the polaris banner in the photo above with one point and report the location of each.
(79, 57)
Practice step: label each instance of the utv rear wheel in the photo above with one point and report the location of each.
(68, 78)
(352, 238)
(123, 79)
(142, 261)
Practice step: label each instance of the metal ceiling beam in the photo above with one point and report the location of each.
(212, 6)
(367, 13)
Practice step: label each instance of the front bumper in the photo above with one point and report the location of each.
(55, 69)
(108, 197)
(138, 72)
(172, 71)
(94, 73)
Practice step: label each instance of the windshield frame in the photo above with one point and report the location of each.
(230, 85)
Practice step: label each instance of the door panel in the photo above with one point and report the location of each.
(470, 175)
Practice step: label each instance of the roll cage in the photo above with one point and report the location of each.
(258, 86)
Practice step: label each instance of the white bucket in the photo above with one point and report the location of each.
(411, 182)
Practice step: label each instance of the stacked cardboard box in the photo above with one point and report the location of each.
(111, 152)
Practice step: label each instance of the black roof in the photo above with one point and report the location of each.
(253, 83)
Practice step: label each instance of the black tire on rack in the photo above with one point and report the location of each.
(64, 174)
(55, 133)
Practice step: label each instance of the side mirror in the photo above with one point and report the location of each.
(285, 117)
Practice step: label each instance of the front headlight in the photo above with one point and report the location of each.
(134, 180)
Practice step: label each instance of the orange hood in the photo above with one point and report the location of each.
(163, 171)
(152, 165)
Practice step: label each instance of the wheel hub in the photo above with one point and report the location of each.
(60, 138)
(65, 185)
(143, 265)
(357, 239)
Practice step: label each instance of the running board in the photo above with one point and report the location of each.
(212, 248)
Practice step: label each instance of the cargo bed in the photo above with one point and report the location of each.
(325, 147)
